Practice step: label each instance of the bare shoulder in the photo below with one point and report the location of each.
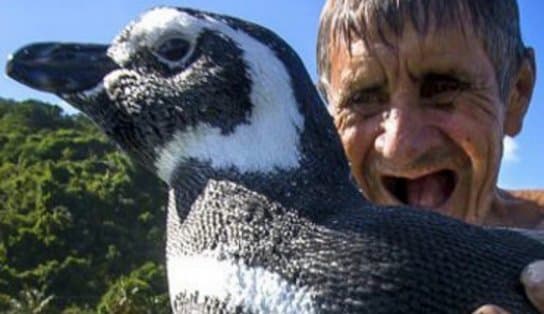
(532, 196)
(520, 208)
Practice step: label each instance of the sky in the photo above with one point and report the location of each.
(26, 21)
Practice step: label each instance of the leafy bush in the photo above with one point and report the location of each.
(77, 217)
(135, 293)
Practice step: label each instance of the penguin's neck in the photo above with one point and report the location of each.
(320, 181)
(317, 188)
(309, 172)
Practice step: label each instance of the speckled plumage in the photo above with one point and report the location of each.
(277, 227)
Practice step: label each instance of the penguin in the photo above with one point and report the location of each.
(262, 214)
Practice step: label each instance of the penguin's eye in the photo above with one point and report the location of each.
(173, 50)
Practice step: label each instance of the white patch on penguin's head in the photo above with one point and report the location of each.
(269, 141)
(152, 29)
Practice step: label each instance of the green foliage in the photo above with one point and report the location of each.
(31, 301)
(78, 220)
(135, 293)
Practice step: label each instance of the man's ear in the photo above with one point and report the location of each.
(520, 94)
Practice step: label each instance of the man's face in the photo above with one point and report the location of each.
(421, 119)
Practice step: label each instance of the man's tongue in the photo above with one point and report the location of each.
(429, 191)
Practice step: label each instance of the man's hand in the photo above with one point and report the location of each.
(490, 309)
(532, 278)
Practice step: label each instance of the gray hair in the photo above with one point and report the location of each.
(496, 22)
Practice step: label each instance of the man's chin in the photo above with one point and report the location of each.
(447, 210)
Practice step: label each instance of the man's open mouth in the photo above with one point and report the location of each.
(431, 190)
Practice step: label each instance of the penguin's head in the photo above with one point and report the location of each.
(179, 86)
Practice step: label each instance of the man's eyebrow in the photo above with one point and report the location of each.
(453, 71)
(431, 75)
(374, 87)
(361, 77)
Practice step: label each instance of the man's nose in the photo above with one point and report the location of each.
(405, 135)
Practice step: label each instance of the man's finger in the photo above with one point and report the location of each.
(490, 309)
(532, 278)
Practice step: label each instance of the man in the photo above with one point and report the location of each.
(422, 103)
(422, 93)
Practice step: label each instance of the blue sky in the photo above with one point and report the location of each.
(25, 21)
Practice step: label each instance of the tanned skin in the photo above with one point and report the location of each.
(422, 121)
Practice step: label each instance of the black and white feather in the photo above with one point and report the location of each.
(262, 216)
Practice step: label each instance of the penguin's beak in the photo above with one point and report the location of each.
(60, 68)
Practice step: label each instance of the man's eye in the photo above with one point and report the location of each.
(436, 85)
(367, 102)
(367, 97)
